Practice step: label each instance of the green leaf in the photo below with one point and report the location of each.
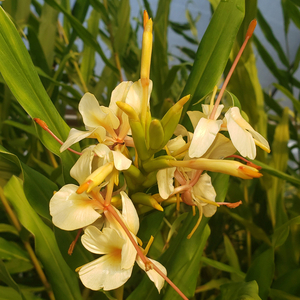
(239, 290)
(232, 258)
(62, 279)
(20, 75)
(83, 33)
(269, 35)
(279, 161)
(214, 50)
(281, 233)
(277, 173)
(270, 63)
(8, 228)
(10, 250)
(286, 92)
(123, 27)
(88, 53)
(37, 187)
(223, 267)
(6, 278)
(256, 231)
(182, 260)
(17, 266)
(281, 295)
(159, 63)
(47, 33)
(8, 293)
(262, 271)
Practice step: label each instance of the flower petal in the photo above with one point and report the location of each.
(119, 94)
(91, 112)
(220, 148)
(152, 274)
(204, 135)
(165, 182)
(135, 95)
(129, 214)
(74, 137)
(83, 167)
(241, 138)
(121, 162)
(104, 273)
(102, 242)
(70, 210)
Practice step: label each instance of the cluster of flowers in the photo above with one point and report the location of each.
(181, 172)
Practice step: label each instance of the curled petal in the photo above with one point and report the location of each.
(204, 135)
(102, 242)
(119, 94)
(71, 211)
(176, 143)
(90, 110)
(135, 95)
(165, 182)
(77, 135)
(241, 138)
(83, 167)
(121, 162)
(104, 273)
(152, 274)
(129, 214)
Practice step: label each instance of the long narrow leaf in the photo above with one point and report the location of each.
(62, 279)
(214, 50)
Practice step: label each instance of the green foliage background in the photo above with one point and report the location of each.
(251, 252)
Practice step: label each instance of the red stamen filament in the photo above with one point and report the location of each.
(72, 246)
(249, 163)
(248, 36)
(45, 127)
(145, 260)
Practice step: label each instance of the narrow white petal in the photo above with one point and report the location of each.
(74, 137)
(102, 242)
(204, 135)
(152, 274)
(241, 138)
(165, 182)
(121, 162)
(70, 210)
(104, 273)
(260, 141)
(129, 214)
(119, 94)
(83, 167)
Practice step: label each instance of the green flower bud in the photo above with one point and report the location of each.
(156, 135)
